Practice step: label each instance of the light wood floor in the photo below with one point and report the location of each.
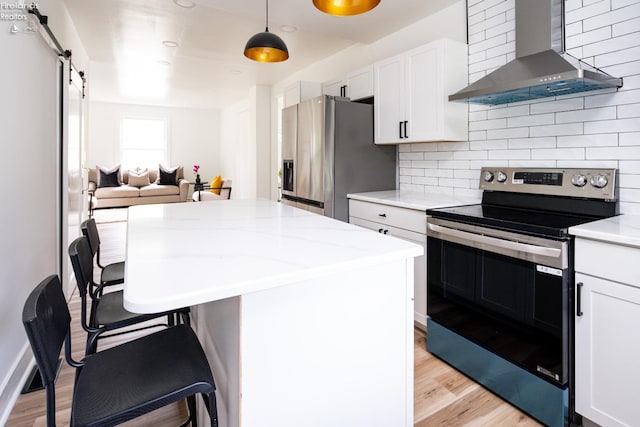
(442, 395)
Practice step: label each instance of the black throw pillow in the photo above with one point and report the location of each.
(109, 177)
(168, 176)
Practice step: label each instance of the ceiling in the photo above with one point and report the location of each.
(207, 69)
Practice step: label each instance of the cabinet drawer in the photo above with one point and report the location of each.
(614, 262)
(389, 230)
(393, 216)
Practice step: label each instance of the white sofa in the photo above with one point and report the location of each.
(127, 195)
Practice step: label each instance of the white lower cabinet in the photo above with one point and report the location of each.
(607, 336)
(407, 224)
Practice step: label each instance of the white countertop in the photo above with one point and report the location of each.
(413, 200)
(182, 254)
(622, 229)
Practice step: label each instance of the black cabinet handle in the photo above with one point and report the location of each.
(579, 301)
(385, 231)
(379, 230)
(405, 129)
(400, 130)
(382, 215)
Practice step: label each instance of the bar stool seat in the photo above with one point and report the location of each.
(112, 274)
(168, 366)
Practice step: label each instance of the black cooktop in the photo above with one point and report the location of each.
(547, 216)
(513, 219)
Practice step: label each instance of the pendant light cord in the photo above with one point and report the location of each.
(266, 24)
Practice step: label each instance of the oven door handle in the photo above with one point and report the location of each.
(480, 239)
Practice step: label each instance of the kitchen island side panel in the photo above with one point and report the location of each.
(217, 325)
(330, 351)
(335, 351)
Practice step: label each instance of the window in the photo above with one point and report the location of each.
(143, 143)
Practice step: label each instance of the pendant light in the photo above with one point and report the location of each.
(266, 46)
(345, 7)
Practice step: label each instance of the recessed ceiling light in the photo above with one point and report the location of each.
(185, 3)
(235, 72)
(170, 43)
(288, 28)
(161, 62)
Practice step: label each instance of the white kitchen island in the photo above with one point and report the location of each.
(306, 321)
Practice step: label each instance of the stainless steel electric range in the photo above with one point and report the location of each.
(500, 283)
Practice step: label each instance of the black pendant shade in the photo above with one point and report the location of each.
(266, 46)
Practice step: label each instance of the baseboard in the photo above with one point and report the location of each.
(19, 373)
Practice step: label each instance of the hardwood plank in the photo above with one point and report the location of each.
(445, 397)
(442, 395)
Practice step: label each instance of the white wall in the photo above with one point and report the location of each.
(246, 145)
(598, 129)
(235, 151)
(193, 136)
(262, 138)
(29, 247)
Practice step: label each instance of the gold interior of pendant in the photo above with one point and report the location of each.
(345, 7)
(266, 54)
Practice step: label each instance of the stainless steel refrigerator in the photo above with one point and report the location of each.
(328, 152)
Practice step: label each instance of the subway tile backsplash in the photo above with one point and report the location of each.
(599, 129)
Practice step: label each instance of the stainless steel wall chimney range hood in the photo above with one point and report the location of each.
(541, 67)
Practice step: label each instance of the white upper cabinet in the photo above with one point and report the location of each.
(360, 83)
(356, 85)
(301, 91)
(411, 94)
(333, 88)
(389, 101)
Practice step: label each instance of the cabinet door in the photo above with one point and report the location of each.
(419, 272)
(301, 91)
(389, 105)
(292, 95)
(423, 99)
(360, 83)
(419, 266)
(607, 345)
(333, 88)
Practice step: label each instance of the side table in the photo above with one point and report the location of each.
(197, 186)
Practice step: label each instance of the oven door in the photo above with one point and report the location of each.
(504, 291)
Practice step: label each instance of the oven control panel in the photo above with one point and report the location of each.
(588, 183)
